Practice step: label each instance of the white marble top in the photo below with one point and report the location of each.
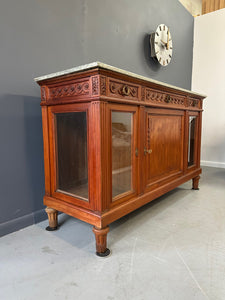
(111, 68)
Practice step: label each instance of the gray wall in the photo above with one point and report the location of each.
(43, 36)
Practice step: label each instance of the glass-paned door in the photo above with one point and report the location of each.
(192, 136)
(71, 154)
(123, 143)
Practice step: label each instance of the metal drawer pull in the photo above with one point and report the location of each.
(125, 90)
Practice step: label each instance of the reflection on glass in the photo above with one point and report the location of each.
(122, 123)
(72, 162)
(191, 140)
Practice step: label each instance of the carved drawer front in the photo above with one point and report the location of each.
(67, 91)
(193, 103)
(163, 98)
(123, 90)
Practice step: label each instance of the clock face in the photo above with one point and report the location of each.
(162, 45)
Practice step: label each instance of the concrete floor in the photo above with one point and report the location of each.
(173, 248)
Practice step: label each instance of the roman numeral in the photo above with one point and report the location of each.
(160, 28)
(157, 33)
(170, 56)
(164, 28)
(167, 61)
(160, 59)
(156, 43)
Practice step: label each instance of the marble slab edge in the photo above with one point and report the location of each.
(111, 68)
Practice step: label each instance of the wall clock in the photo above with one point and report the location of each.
(161, 45)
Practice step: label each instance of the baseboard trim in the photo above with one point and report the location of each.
(24, 221)
(212, 164)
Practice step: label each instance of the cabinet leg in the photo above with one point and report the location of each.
(52, 218)
(195, 182)
(101, 241)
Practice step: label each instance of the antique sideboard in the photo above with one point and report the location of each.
(114, 141)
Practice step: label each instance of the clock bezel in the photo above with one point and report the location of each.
(159, 52)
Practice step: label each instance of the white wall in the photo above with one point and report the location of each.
(208, 77)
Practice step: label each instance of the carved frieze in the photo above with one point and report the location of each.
(177, 100)
(151, 95)
(142, 93)
(76, 89)
(103, 85)
(95, 85)
(193, 102)
(123, 89)
(43, 94)
(163, 98)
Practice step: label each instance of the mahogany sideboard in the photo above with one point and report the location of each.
(114, 141)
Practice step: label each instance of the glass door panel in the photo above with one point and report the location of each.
(192, 140)
(71, 154)
(122, 145)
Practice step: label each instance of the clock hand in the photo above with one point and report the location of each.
(168, 38)
(165, 44)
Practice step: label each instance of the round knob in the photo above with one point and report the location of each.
(147, 151)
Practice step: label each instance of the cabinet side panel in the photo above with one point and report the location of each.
(98, 156)
(46, 149)
(199, 139)
(186, 122)
(141, 141)
(105, 157)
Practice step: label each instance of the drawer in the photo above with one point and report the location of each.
(165, 99)
(123, 89)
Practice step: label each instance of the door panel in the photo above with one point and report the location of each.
(69, 161)
(122, 136)
(163, 144)
(72, 159)
(193, 141)
(123, 126)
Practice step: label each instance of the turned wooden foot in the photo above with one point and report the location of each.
(101, 241)
(52, 218)
(195, 182)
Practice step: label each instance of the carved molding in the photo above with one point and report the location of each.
(142, 93)
(122, 89)
(103, 85)
(43, 94)
(192, 102)
(95, 85)
(148, 133)
(177, 100)
(81, 88)
(151, 95)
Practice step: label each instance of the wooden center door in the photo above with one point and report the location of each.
(164, 144)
